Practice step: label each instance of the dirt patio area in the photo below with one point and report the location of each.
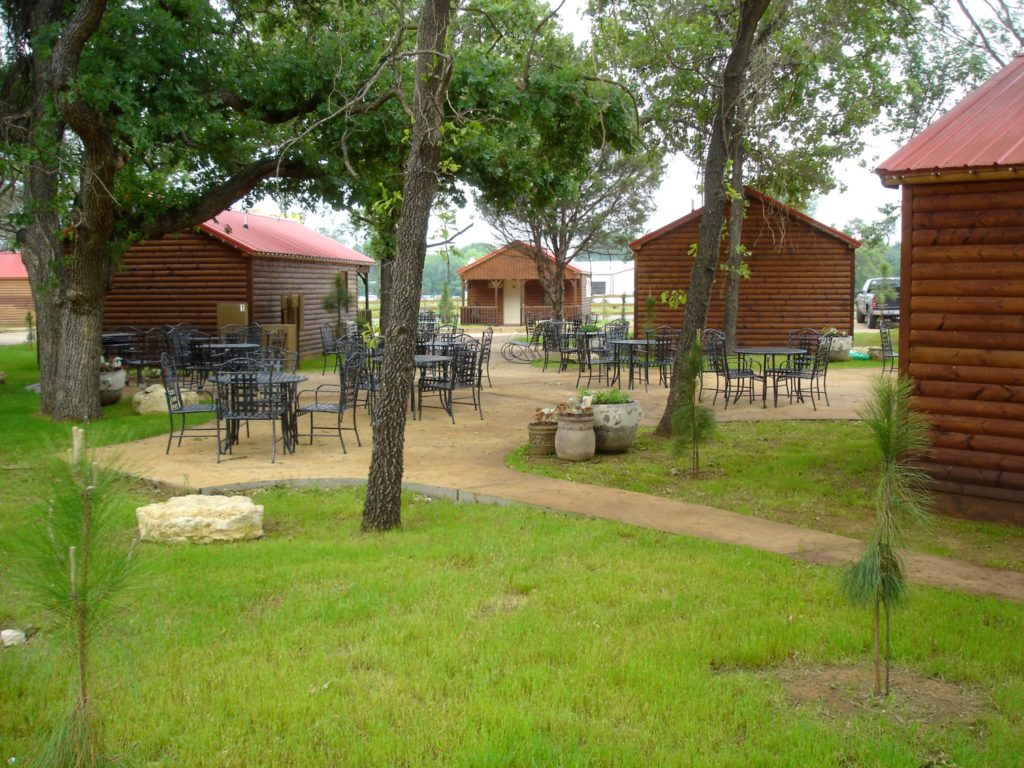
(465, 461)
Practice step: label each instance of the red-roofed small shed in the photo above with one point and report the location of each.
(962, 294)
(15, 293)
(236, 257)
(801, 273)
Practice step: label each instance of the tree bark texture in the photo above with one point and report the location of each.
(552, 277)
(69, 291)
(702, 275)
(383, 507)
(737, 211)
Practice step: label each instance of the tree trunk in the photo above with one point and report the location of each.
(737, 210)
(723, 127)
(383, 507)
(552, 278)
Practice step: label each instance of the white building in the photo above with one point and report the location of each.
(608, 279)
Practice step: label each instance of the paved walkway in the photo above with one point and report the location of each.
(465, 460)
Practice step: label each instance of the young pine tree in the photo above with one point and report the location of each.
(72, 562)
(692, 422)
(877, 578)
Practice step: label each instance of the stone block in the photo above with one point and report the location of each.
(201, 519)
(11, 637)
(153, 399)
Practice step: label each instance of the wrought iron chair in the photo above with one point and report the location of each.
(486, 340)
(146, 352)
(335, 400)
(176, 406)
(890, 355)
(277, 359)
(814, 375)
(328, 342)
(600, 358)
(244, 394)
(461, 374)
(737, 378)
(708, 338)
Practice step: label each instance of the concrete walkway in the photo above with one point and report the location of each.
(465, 460)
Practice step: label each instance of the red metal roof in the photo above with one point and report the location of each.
(984, 131)
(269, 235)
(761, 197)
(11, 267)
(515, 248)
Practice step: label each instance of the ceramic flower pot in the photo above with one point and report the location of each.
(112, 386)
(840, 349)
(542, 438)
(615, 426)
(574, 439)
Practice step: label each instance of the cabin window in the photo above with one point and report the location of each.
(597, 288)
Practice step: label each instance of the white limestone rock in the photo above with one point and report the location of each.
(153, 400)
(201, 519)
(11, 637)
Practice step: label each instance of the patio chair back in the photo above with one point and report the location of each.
(890, 357)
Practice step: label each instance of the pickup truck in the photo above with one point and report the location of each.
(869, 305)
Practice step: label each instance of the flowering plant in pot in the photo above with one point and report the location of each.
(542, 431)
(616, 418)
(112, 379)
(842, 343)
(574, 438)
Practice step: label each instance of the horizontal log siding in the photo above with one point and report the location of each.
(479, 293)
(272, 277)
(15, 301)
(800, 278)
(177, 279)
(963, 339)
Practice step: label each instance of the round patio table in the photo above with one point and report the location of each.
(630, 345)
(772, 370)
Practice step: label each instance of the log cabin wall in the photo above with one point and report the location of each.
(962, 339)
(801, 277)
(272, 277)
(15, 302)
(179, 278)
(479, 293)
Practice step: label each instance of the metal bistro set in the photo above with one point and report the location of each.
(606, 352)
(799, 369)
(448, 363)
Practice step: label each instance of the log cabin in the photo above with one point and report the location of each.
(15, 294)
(236, 257)
(801, 273)
(962, 298)
(503, 288)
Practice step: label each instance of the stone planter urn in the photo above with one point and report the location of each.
(615, 426)
(112, 385)
(542, 438)
(574, 439)
(840, 349)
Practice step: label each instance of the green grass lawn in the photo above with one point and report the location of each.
(483, 636)
(501, 636)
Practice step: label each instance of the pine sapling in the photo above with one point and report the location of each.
(877, 578)
(692, 422)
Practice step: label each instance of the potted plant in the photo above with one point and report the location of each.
(338, 300)
(574, 438)
(112, 380)
(616, 418)
(542, 432)
(842, 343)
